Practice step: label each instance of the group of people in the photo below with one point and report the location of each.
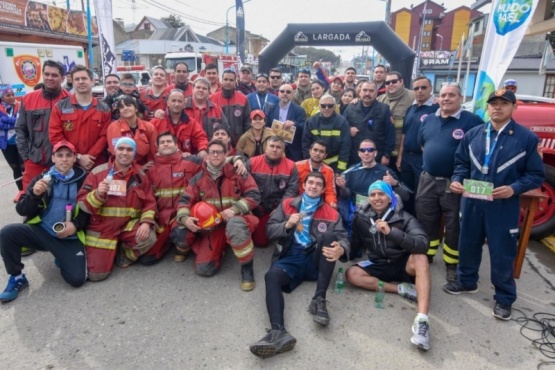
(195, 167)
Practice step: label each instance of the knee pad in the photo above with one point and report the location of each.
(206, 269)
(178, 236)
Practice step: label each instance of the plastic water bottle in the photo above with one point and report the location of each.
(380, 296)
(339, 281)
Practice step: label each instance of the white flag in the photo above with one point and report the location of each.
(103, 10)
(547, 56)
(507, 24)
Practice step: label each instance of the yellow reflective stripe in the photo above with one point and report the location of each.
(434, 243)
(243, 252)
(449, 250)
(93, 201)
(168, 193)
(450, 255)
(331, 160)
(130, 225)
(148, 215)
(327, 133)
(225, 202)
(341, 165)
(242, 205)
(120, 212)
(95, 242)
(182, 212)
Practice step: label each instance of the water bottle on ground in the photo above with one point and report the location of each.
(339, 281)
(379, 300)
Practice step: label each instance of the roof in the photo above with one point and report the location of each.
(156, 23)
(208, 40)
(184, 33)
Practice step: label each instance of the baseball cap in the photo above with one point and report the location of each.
(504, 94)
(510, 82)
(257, 112)
(64, 144)
(246, 68)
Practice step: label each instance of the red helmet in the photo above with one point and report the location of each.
(208, 216)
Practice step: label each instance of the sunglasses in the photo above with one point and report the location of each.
(366, 150)
(286, 91)
(127, 84)
(327, 106)
(275, 77)
(387, 83)
(417, 88)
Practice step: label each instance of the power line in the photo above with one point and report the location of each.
(192, 18)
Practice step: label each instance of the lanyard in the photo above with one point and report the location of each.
(265, 100)
(489, 151)
(374, 228)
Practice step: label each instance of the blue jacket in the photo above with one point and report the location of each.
(298, 115)
(515, 161)
(264, 102)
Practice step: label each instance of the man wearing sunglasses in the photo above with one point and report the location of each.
(276, 81)
(409, 160)
(333, 129)
(439, 137)
(302, 91)
(292, 115)
(399, 100)
(370, 119)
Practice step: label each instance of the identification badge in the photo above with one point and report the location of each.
(478, 189)
(118, 188)
(364, 263)
(360, 200)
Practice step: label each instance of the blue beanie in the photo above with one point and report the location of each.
(128, 141)
(386, 188)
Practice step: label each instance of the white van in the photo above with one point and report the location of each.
(21, 64)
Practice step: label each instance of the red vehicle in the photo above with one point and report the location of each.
(539, 116)
(197, 61)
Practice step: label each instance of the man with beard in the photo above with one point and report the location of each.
(245, 84)
(33, 120)
(276, 80)
(235, 106)
(331, 128)
(127, 87)
(350, 77)
(191, 138)
(111, 84)
(181, 80)
(318, 152)
(262, 99)
(292, 115)
(370, 119)
(302, 92)
(277, 178)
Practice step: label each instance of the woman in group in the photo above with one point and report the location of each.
(253, 142)
(346, 99)
(129, 125)
(8, 113)
(312, 104)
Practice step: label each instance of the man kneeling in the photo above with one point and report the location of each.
(396, 247)
(50, 198)
(310, 239)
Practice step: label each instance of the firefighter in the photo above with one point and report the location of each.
(234, 197)
(119, 198)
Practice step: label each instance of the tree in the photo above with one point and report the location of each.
(174, 21)
(314, 54)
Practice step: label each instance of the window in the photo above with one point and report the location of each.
(549, 89)
(428, 21)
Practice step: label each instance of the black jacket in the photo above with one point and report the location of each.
(406, 237)
(31, 206)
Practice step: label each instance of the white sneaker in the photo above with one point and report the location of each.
(421, 331)
(407, 291)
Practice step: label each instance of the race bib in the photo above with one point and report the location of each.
(478, 189)
(118, 188)
(360, 200)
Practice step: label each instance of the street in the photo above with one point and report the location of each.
(166, 317)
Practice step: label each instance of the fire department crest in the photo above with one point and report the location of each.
(68, 126)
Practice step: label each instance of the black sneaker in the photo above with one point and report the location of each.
(501, 312)
(273, 343)
(457, 288)
(319, 311)
(451, 272)
(247, 277)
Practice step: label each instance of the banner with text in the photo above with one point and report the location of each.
(33, 16)
(107, 42)
(507, 24)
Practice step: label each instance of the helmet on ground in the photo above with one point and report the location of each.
(208, 216)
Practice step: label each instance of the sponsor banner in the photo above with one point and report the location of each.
(38, 17)
(107, 42)
(507, 25)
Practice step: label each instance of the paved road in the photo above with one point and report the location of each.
(165, 316)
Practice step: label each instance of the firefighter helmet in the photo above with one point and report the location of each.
(208, 216)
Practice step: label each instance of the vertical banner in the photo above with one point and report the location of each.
(240, 30)
(103, 11)
(507, 24)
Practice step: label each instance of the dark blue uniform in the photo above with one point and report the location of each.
(440, 138)
(411, 162)
(514, 162)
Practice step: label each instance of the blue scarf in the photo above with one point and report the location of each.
(308, 207)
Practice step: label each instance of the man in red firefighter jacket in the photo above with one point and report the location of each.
(120, 200)
(191, 138)
(33, 119)
(202, 109)
(82, 120)
(234, 197)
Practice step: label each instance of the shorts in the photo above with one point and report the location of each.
(299, 266)
(392, 271)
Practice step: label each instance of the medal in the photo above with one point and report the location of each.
(485, 170)
(300, 227)
(373, 229)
